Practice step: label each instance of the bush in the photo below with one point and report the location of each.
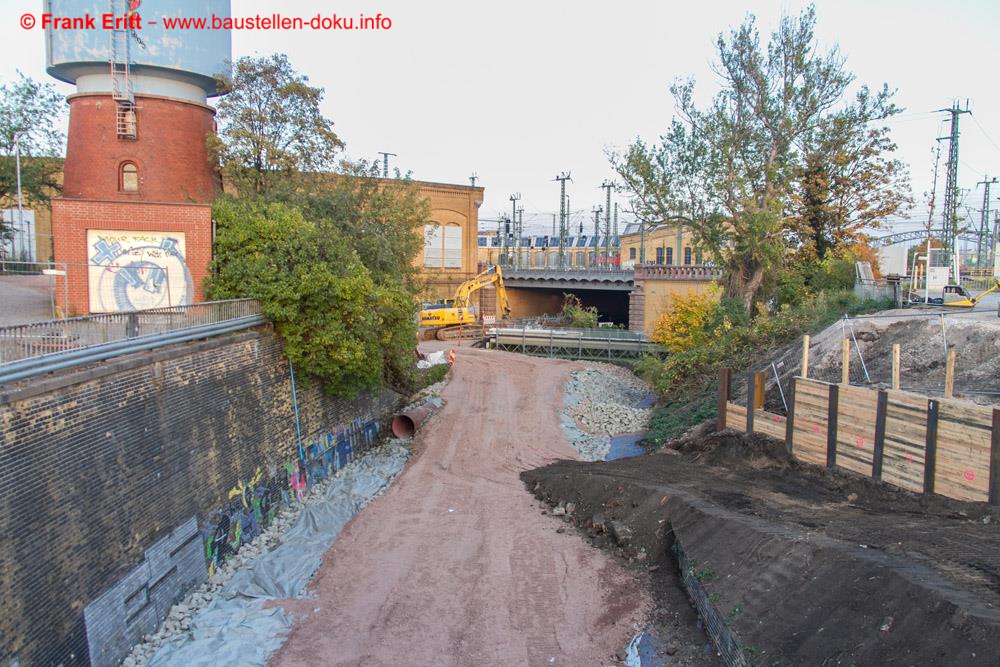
(729, 338)
(578, 315)
(336, 322)
(672, 420)
(429, 376)
(691, 321)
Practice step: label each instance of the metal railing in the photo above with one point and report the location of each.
(26, 341)
(598, 344)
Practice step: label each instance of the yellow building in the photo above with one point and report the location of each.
(32, 240)
(670, 245)
(449, 254)
(542, 252)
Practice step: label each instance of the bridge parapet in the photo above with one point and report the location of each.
(581, 278)
(686, 272)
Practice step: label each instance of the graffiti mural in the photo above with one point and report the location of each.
(132, 270)
(254, 502)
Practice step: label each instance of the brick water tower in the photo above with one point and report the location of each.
(134, 223)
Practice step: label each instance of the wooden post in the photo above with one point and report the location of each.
(831, 426)
(790, 419)
(758, 391)
(805, 357)
(845, 361)
(725, 386)
(751, 400)
(930, 449)
(895, 366)
(949, 375)
(878, 453)
(995, 459)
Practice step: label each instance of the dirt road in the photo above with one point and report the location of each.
(456, 564)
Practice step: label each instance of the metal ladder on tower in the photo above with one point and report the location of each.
(121, 74)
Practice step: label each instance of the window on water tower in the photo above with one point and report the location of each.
(128, 177)
(687, 255)
(659, 255)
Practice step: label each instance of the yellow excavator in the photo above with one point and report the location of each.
(959, 297)
(453, 315)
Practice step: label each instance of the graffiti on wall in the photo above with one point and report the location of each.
(254, 502)
(131, 270)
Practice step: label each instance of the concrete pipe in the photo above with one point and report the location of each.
(405, 424)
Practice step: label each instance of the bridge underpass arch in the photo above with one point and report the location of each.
(612, 305)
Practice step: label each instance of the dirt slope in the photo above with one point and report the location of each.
(804, 565)
(456, 564)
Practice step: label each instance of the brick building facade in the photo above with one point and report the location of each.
(134, 225)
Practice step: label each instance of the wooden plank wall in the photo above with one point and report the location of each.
(810, 421)
(964, 436)
(736, 417)
(905, 440)
(769, 424)
(963, 455)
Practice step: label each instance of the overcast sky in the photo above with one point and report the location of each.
(518, 91)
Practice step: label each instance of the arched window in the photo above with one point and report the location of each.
(452, 247)
(128, 177)
(687, 255)
(670, 256)
(443, 246)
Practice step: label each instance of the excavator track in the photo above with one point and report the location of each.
(459, 332)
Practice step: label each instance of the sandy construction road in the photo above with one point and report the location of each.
(456, 564)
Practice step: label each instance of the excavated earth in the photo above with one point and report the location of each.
(792, 564)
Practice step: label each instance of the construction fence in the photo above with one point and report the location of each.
(927, 445)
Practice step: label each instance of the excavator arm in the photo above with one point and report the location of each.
(971, 301)
(459, 312)
(488, 277)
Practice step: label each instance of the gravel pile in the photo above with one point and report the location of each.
(608, 418)
(606, 383)
(600, 402)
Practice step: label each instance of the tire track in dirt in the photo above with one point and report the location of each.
(455, 564)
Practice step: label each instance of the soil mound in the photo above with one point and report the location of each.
(790, 563)
(728, 448)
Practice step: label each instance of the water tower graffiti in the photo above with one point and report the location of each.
(136, 270)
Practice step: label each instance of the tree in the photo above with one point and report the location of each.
(29, 116)
(384, 219)
(847, 181)
(336, 322)
(271, 131)
(728, 171)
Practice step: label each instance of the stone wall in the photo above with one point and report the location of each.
(657, 285)
(124, 483)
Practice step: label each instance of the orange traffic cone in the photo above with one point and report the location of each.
(451, 357)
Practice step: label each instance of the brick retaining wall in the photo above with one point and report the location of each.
(112, 476)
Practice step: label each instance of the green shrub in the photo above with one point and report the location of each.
(672, 420)
(737, 342)
(578, 315)
(338, 324)
(429, 376)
